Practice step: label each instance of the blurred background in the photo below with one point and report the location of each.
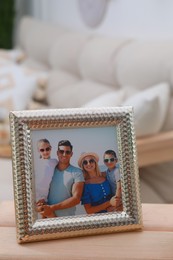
(141, 19)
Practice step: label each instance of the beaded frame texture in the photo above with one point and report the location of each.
(29, 228)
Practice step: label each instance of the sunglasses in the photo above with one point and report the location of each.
(66, 152)
(85, 162)
(109, 160)
(46, 149)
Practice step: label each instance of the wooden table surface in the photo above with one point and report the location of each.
(155, 241)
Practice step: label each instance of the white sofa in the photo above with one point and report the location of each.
(91, 70)
(56, 67)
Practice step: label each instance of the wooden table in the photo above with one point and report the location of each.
(155, 149)
(154, 242)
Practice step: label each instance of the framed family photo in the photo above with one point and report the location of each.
(75, 172)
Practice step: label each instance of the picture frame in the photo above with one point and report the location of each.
(89, 129)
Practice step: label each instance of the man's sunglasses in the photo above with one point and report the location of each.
(46, 149)
(85, 162)
(109, 160)
(63, 151)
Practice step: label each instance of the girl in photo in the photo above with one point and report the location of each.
(44, 173)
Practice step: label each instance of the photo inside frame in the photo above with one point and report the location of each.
(84, 140)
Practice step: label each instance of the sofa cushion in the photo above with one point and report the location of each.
(66, 50)
(168, 123)
(16, 86)
(96, 60)
(58, 79)
(76, 95)
(144, 63)
(32, 64)
(37, 37)
(112, 98)
(150, 108)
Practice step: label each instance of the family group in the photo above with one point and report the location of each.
(60, 186)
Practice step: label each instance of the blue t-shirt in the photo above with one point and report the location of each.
(96, 194)
(113, 177)
(61, 188)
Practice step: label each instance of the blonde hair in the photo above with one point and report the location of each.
(44, 140)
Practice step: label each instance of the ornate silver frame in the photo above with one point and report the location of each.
(29, 228)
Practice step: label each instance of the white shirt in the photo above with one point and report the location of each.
(43, 176)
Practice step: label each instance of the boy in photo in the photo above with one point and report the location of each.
(113, 176)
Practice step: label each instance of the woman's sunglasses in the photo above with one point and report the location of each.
(85, 162)
(109, 160)
(46, 149)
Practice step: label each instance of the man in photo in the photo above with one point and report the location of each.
(66, 186)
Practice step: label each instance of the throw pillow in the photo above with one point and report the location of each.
(39, 94)
(168, 124)
(59, 80)
(16, 87)
(110, 99)
(77, 94)
(150, 108)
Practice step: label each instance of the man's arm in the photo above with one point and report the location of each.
(77, 190)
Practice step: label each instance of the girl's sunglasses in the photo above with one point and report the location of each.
(46, 149)
(85, 162)
(109, 160)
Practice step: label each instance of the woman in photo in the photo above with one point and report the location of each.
(97, 192)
